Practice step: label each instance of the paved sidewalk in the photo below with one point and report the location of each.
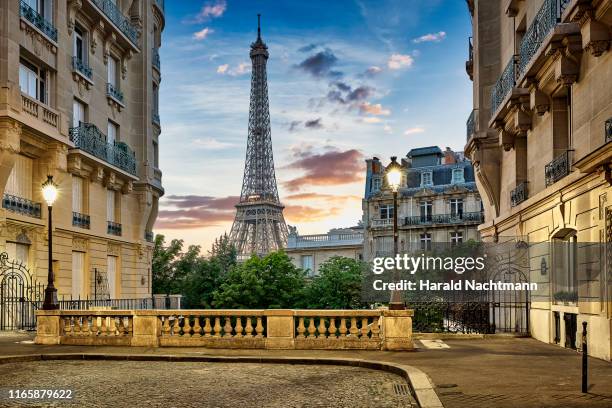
(500, 372)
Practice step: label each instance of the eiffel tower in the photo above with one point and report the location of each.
(259, 226)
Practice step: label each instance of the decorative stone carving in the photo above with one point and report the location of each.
(124, 62)
(110, 180)
(539, 101)
(22, 238)
(73, 6)
(113, 249)
(80, 244)
(506, 140)
(98, 174)
(108, 41)
(12, 130)
(595, 37)
(38, 40)
(128, 187)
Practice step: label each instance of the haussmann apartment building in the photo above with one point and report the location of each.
(79, 84)
(539, 138)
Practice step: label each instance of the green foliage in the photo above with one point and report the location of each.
(338, 285)
(164, 261)
(270, 282)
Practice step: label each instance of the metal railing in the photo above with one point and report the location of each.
(608, 130)
(114, 92)
(113, 228)
(21, 205)
(155, 60)
(80, 220)
(321, 240)
(161, 5)
(115, 15)
(470, 124)
(457, 218)
(504, 84)
(543, 23)
(45, 26)
(558, 168)
(519, 194)
(80, 66)
(149, 236)
(88, 137)
(120, 304)
(469, 64)
(155, 117)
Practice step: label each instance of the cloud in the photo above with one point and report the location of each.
(388, 129)
(373, 109)
(330, 168)
(294, 125)
(303, 213)
(193, 211)
(314, 124)
(414, 130)
(212, 144)
(399, 61)
(209, 11)
(241, 69)
(373, 71)
(371, 119)
(202, 34)
(431, 37)
(320, 64)
(222, 69)
(308, 48)
(344, 94)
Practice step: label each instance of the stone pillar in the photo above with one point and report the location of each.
(397, 329)
(280, 329)
(147, 329)
(47, 327)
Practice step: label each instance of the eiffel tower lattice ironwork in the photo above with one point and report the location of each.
(259, 226)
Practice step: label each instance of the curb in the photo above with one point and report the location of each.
(419, 381)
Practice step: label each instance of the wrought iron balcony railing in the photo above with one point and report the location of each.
(155, 117)
(543, 23)
(45, 26)
(519, 194)
(470, 125)
(458, 218)
(87, 137)
(608, 130)
(21, 205)
(80, 66)
(504, 84)
(155, 59)
(558, 168)
(115, 15)
(469, 64)
(114, 92)
(113, 228)
(80, 220)
(161, 5)
(149, 236)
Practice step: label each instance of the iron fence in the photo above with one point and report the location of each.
(80, 220)
(21, 205)
(457, 218)
(558, 168)
(155, 60)
(81, 66)
(114, 14)
(40, 22)
(470, 125)
(504, 84)
(519, 194)
(114, 92)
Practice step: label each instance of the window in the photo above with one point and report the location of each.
(456, 207)
(77, 195)
(78, 113)
(376, 184)
(33, 80)
(456, 238)
(457, 176)
(110, 206)
(42, 7)
(308, 264)
(78, 274)
(18, 252)
(113, 132)
(425, 241)
(426, 179)
(386, 212)
(155, 155)
(426, 210)
(19, 182)
(155, 99)
(112, 71)
(79, 49)
(111, 275)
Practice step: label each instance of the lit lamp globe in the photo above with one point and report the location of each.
(394, 174)
(49, 191)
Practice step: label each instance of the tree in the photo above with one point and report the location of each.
(270, 282)
(164, 259)
(338, 285)
(223, 253)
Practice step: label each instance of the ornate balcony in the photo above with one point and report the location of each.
(149, 237)
(80, 220)
(459, 218)
(324, 240)
(21, 205)
(160, 4)
(115, 15)
(113, 92)
(155, 59)
(469, 64)
(88, 138)
(470, 125)
(543, 23)
(519, 194)
(503, 86)
(155, 117)
(384, 222)
(37, 20)
(113, 228)
(40, 111)
(608, 130)
(557, 169)
(81, 67)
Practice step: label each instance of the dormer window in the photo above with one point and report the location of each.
(457, 176)
(376, 184)
(426, 179)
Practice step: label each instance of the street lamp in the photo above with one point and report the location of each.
(49, 191)
(394, 178)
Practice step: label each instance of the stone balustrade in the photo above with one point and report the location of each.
(378, 329)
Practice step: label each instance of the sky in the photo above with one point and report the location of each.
(347, 80)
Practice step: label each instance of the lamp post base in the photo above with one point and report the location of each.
(397, 306)
(50, 302)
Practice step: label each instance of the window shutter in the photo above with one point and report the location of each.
(77, 194)
(110, 205)
(111, 275)
(78, 272)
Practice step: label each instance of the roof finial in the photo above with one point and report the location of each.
(259, 26)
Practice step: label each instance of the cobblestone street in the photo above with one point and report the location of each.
(183, 384)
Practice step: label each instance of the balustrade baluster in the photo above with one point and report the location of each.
(166, 327)
(94, 325)
(207, 327)
(353, 330)
(175, 326)
(301, 328)
(103, 330)
(375, 328)
(67, 327)
(112, 327)
(249, 328)
(311, 328)
(217, 327)
(238, 327)
(322, 329)
(343, 327)
(186, 326)
(85, 326)
(227, 329)
(129, 328)
(332, 328)
(365, 329)
(196, 327)
(259, 328)
(77, 326)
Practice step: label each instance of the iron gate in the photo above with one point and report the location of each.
(20, 295)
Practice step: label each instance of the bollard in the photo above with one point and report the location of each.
(584, 358)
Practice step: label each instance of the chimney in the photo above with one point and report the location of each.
(449, 156)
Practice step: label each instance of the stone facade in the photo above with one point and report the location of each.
(437, 202)
(539, 140)
(79, 81)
